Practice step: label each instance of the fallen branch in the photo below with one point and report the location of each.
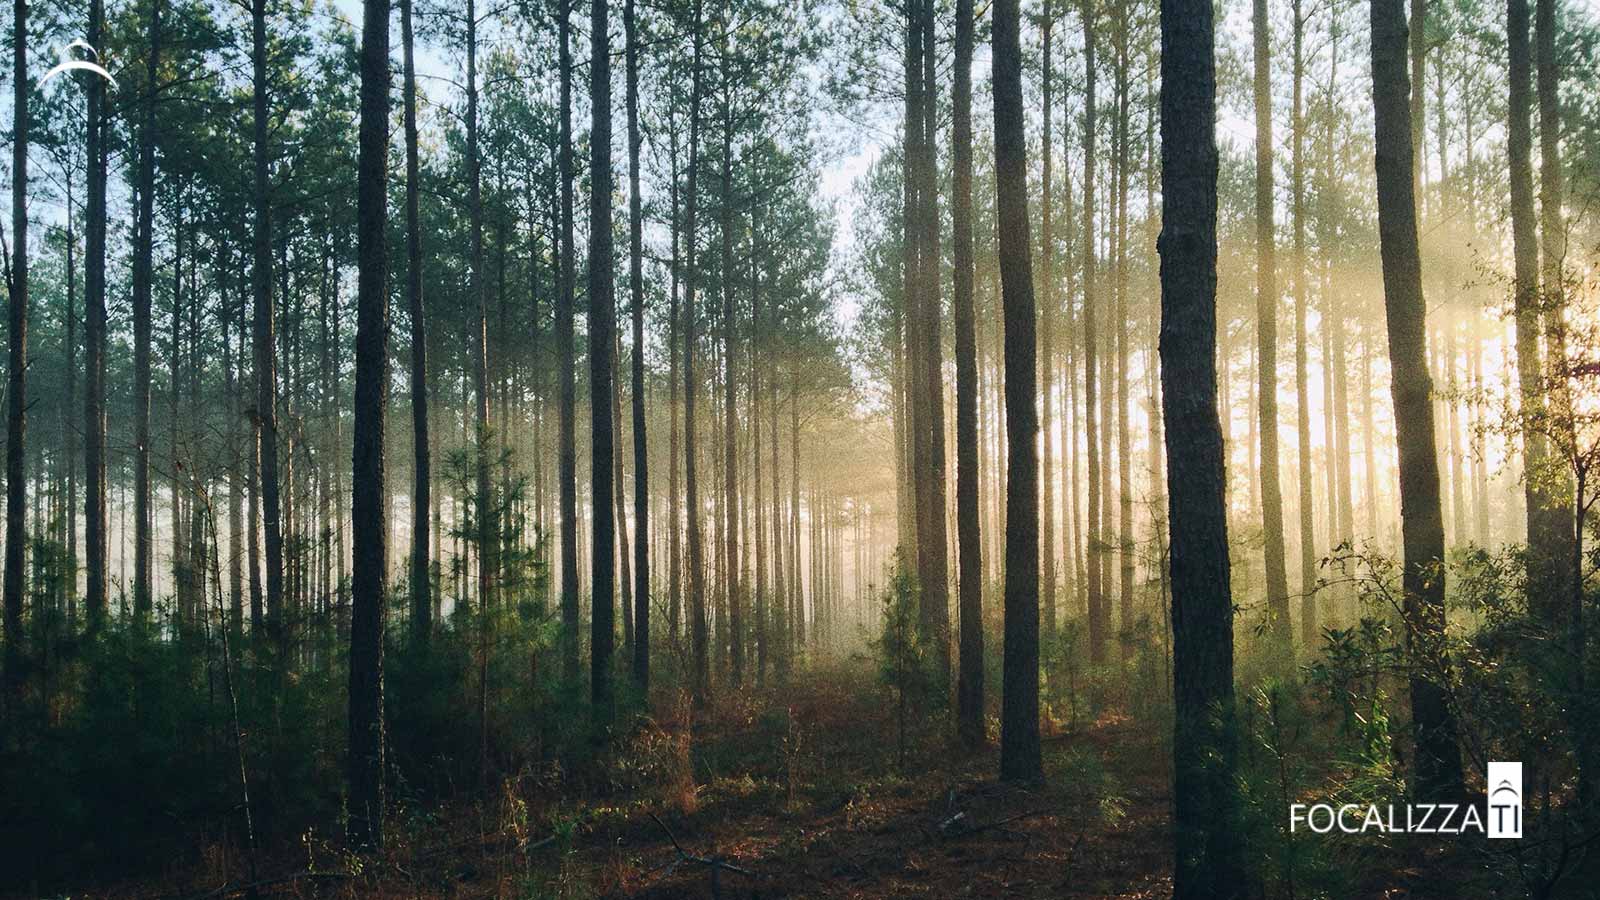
(715, 863)
(948, 827)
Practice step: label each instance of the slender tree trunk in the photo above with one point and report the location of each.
(422, 464)
(1208, 851)
(701, 675)
(180, 569)
(1125, 546)
(1345, 506)
(624, 578)
(1099, 618)
(933, 542)
(1418, 45)
(641, 449)
(602, 325)
(1308, 538)
(730, 457)
(798, 615)
(1047, 256)
(253, 539)
(1480, 465)
(264, 339)
(1548, 530)
(1019, 717)
(1279, 627)
(68, 410)
(908, 341)
(17, 360)
(674, 507)
(780, 616)
(1438, 758)
(1552, 222)
(95, 525)
(488, 519)
(566, 367)
(969, 690)
(143, 276)
(366, 766)
(759, 594)
(1553, 241)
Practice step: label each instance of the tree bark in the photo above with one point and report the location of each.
(701, 675)
(933, 541)
(641, 454)
(1302, 387)
(1019, 719)
(1099, 617)
(1279, 629)
(1047, 257)
(264, 339)
(1209, 854)
(17, 360)
(143, 276)
(732, 586)
(371, 552)
(1438, 758)
(969, 688)
(566, 367)
(95, 526)
(488, 513)
(1125, 545)
(674, 438)
(602, 327)
(1549, 533)
(422, 465)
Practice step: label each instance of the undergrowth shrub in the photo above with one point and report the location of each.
(905, 660)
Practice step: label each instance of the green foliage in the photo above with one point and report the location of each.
(1063, 656)
(905, 661)
(125, 755)
(1283, 761)
(136, 764)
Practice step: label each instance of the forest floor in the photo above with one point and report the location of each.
(798, 794)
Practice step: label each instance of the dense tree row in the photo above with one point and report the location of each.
(1113, 452)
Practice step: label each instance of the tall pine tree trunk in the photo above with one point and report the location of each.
(371, 555)
(732, 587)
(1438, 758)
(602, 325)
(264, 339)
(933, 543)
(1125, 546)
(1302, 387)
(674, 438)
(1019, 717)
(641, 455)
(969, 689)
(17, 360)
(422, 465)
(96, 528)
(700, 673)
(1099, 618)
(1278, 629)
(1548, 530)
(566, 368)
(1208, 851)
(143, 276)
(1047, 256)
(488, 514)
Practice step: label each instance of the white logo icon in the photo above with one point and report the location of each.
(68, 61)
(1504, 784)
